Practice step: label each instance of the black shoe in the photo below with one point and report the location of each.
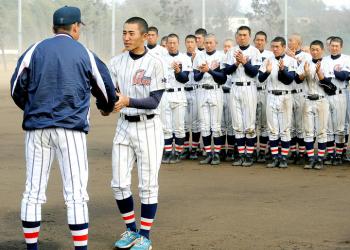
(207, 160)
(255, 156)
(216, 159)
(223, 154)
(274, 164)
(193, 154)
(185, 154)
(238, 161)
(319, 164)
(292, 158)
(300, 160)
(166, 157)
(229, 155)
(338, 161)
(175, 158)
(311, 163)
(283, 163)
(261, 157)
(248, 161)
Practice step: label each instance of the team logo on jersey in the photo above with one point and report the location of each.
(140, 78)
(337, 67)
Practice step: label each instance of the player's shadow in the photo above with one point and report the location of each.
(19, 244)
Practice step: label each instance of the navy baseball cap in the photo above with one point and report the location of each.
(67, 15)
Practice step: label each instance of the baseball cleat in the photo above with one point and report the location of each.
(193, 155)
(239, 161)
(248, 161)
(128, 238)
(216, 159)
(310, 164)
(185, 154)
(261, 158)
(206, 160)
(319, 165)
(175, 158)
(166, 157)
(142, 243)
(283, 163)
(274, 164)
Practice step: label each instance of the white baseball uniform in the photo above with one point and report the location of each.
(139, 140)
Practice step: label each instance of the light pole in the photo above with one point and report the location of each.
(19, 27)
(113, 29)
(286, 19)
(203, 14)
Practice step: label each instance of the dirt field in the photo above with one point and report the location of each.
(200, 207)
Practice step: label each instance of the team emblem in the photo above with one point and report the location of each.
(140, 78)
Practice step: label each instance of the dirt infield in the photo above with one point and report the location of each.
(200, 207)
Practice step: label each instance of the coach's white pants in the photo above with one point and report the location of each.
(42, 145)
(336, 119)
(315, 118)
(243, 108)
(210, 111)
(226, 121)
(142, 142)
(191, 114)
(279, 116)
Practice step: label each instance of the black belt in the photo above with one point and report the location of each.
(295, 91)
(173, 89)
(242, 83)
(137, 118)
(226, 90)
(279, 92)
(261, 88)
(314, 97)
(190, 88)
(207, 86)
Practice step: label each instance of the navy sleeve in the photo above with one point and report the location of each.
(150, 102)
(229, 69)
(218, 75)
(341, 75)
(263, 76)
(197, 75)
(104, 101)
(251, 70)
(297, 79)
(182, 76)
(19, 83)
(285, 76)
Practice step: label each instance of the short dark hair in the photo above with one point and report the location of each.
(201, 31)
(143, 26)
(330, 38)
(317, 43)
(64, 28)
(164, 38)
(173, 35)
(244, 28)
(260, 33)
(337, 39)
(152, 28)
(190, 37)
(279, 39)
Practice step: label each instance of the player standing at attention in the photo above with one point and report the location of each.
(207, 72)
(298, 92)
(174, 104)
(192, 126)
(260, 40)
(52, 84)
(152, 45)
(226, 121)
(243, 63)
(336, 69)
(279, 73)
(200, 37)
(140, 78)
(316, 106)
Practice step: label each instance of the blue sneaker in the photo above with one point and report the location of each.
(142, 243)
(128, 238)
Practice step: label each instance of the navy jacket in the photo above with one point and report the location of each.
(53, 81)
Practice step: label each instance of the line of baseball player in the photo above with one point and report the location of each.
(249, 104)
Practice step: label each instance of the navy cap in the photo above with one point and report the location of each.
(67, 15)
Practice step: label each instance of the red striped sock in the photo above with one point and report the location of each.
(80, 235)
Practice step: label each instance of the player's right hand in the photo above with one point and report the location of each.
(268, 66)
